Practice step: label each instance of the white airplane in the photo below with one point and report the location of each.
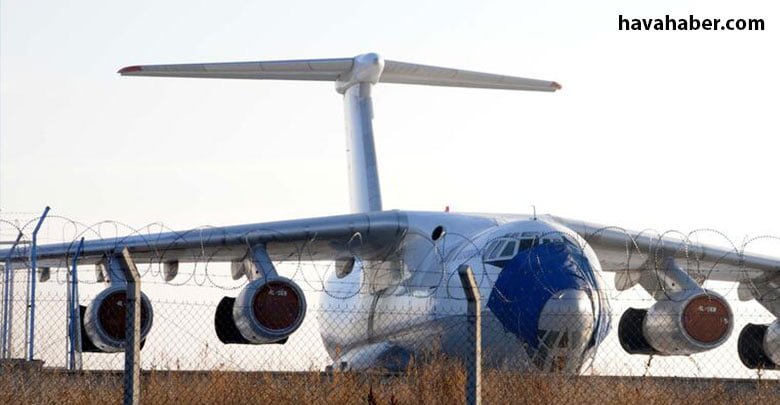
(395, 293)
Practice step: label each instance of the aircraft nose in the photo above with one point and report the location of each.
(564, 330)
(549, 297)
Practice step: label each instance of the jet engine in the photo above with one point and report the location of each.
(103, 321)
(690, 324)
(759, 346)
(266, 311)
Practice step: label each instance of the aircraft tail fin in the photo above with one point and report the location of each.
(354, 78)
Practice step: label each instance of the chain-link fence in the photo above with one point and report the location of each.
(364, 337)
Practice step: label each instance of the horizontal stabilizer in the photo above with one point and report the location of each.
(315, 69)
(411, 73)
(344, 70)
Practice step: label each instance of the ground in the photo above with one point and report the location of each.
(439, 382)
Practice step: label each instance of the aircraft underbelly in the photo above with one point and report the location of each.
(446, 335)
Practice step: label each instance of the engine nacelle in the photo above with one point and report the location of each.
(692, 324)
(759, 346)
(266, 311)
(103, 321)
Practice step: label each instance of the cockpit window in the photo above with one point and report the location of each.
(509, 249)
(571, 241)
(505, 248)
(494, 248)
(526, 243)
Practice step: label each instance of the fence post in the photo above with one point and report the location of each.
(8, 297)
(74, 318)
(33, 279)
(132, 329)
(474, 352)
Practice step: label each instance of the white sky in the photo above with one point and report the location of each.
(652, 129)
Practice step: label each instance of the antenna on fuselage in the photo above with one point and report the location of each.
(354, 78)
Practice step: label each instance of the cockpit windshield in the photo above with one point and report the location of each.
(506, 248)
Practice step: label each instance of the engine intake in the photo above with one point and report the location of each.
(103, 321)
(759, 346)
(699, 322)
(266, 311)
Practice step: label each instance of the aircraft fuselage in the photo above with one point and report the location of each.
(542, 298)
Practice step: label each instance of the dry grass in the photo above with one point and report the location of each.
(440, 382)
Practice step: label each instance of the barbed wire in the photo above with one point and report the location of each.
(652, 257)
(189, 319)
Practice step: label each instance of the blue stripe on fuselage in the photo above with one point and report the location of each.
(533, 276)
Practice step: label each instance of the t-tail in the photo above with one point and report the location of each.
(354, 78)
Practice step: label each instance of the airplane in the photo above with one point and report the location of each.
(395, 293)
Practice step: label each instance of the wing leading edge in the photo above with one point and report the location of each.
(624, 250)
(372, 236)
(642, 257)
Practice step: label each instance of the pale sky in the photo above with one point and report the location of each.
(652, 129)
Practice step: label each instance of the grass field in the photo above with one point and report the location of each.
(441, 382)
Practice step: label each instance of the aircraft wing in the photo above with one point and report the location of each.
(371, 236)
(630, 253)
